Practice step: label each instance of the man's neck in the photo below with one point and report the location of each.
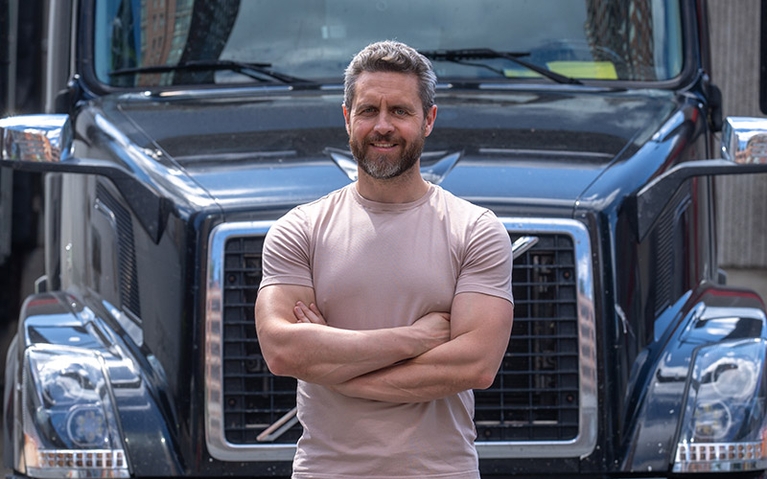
(405, 188)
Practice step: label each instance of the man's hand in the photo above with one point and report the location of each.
(308, 314)
(435, 327)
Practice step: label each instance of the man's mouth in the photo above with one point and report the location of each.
(382, 142)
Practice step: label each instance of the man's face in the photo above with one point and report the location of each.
(386, 123)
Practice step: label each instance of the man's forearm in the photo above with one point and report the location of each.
(327, 355)
(443, 371)
(317, 353)
(470, 360)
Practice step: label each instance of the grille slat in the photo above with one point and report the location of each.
(536, 393)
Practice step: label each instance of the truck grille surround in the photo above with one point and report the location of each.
(544, 393)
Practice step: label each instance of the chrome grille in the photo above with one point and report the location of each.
(544, 393)
(253, 397)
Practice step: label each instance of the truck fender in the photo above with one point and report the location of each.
(711, 327)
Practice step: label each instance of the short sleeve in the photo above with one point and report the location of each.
(487, 263)
(286, 253)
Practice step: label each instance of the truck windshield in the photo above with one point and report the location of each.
(163, 42)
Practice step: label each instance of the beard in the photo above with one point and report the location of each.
(382, 167)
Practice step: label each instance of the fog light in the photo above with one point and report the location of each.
(87, 427)
(712, 421)
(722, 428)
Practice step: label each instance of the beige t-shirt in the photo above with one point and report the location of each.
(377, 265)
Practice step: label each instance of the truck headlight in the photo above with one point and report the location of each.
(723, 426)
(69, 423)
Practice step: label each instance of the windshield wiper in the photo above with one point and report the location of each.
(253, 70)
(461, 55)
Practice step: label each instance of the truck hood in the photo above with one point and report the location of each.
(517, 147)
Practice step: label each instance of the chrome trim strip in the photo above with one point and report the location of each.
(99, 206)
(279, 428)
(217, 444)
(201, 93)
(585, 442)
(588, 155)
(522, 245)
(582, 445)
(528, 87)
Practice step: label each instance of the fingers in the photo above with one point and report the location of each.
(308, 314)
(299, 314)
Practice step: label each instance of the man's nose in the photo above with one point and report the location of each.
(383, 123)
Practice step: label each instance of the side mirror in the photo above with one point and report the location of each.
(744, 151)
(744, 140)
(34, 139)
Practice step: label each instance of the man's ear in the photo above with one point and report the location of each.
(346, 119)
(431, 117)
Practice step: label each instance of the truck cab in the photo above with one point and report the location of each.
(182, 129)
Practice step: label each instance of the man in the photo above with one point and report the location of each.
(389, 299)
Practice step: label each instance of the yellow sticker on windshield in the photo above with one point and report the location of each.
(519, 72)
(594, 70)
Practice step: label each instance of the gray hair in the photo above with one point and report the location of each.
(396, 57)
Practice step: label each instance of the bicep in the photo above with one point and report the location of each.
(274, 307)
(484, 320)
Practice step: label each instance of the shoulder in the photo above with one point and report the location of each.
(460, 209)
(456, 202)
(476, 227)
(306, 214)
(298, 225)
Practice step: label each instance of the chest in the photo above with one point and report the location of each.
(404, 264)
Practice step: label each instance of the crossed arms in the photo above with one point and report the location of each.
(441, 354)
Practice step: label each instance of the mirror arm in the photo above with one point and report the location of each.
(650, 201)
(150, 207)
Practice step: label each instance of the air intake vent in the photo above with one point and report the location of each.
(667, 238)
(126, 251)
